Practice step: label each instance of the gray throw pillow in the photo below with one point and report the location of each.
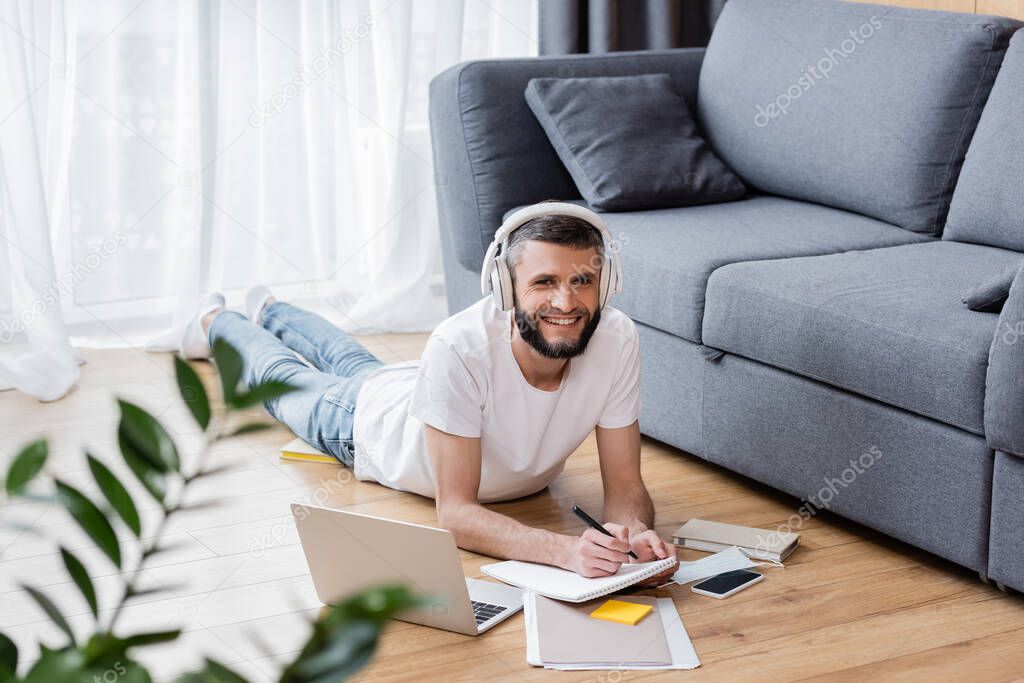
(629, 142)
(991, 294)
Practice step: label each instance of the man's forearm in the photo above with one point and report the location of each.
(491, 533)
(632, 509)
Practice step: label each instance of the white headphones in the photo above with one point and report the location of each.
(496, 278)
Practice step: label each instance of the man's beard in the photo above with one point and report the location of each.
(529, 330)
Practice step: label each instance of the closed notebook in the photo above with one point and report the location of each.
(568, 635)
(562, 584)
(297, 449)
(761, 544)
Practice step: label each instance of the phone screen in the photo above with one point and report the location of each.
(723, 583)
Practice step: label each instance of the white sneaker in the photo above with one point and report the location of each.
(195, 343)
(255, 301)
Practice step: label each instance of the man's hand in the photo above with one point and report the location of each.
(593, 554)
(648, 547)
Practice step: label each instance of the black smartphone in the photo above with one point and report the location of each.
(724, 585)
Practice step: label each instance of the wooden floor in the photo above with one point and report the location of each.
(850, 605)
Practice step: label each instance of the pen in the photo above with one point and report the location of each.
(593, 524)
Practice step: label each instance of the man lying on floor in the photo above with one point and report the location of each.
(504, 392)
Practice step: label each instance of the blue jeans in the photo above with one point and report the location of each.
(322, 411)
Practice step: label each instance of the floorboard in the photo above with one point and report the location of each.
(851, 604)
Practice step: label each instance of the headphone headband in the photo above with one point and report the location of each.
(495, 277)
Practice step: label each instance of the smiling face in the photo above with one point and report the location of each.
(556, 296)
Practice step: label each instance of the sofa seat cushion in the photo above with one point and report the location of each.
(887, 323)
(668, 254)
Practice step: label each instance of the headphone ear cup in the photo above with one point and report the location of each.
(496, 285)
(604, 288)
(614, 267)
(504, 295)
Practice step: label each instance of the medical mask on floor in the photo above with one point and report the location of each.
(724, 561)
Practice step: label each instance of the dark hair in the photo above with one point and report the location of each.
(569, 231)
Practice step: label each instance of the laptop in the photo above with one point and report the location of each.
(348, 552)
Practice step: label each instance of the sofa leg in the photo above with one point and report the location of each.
(1002, 587)
(984, 579)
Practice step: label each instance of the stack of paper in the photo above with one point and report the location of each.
(564, 636)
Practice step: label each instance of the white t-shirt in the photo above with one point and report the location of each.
(468, 383)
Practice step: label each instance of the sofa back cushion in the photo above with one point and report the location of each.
(863, 107)
(490, 154)
(629, 142)
(988, 202)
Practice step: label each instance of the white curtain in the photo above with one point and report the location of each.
(35, 106)
(154, 150)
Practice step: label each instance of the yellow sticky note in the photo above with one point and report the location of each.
(621, 612)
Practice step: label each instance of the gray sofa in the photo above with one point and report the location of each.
(810, 336)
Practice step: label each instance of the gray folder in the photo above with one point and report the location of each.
(567, 634)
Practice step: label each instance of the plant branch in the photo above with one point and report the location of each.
(130, 584)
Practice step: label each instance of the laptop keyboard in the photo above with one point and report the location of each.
(484, 611)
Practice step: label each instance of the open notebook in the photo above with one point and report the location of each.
(569, 586)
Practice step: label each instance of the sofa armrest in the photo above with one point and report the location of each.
(491, 155)
(1004, 383)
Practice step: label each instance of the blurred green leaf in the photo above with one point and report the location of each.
(377, 604)
(261, 393)
(92, 521)
(81, 578)
(346, 637)
(103, 645)
(229, 368)
(151, 638)
(152, 479)
(56, 666)
(8, 655)
(212, 672)
(192, 392)
(51, 611)
(343, 654)
(70, 665)
(116, 494)
(149, 437)
(250, 428)
(26, 466)
(211, 471)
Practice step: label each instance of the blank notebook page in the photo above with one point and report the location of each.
(565, 585)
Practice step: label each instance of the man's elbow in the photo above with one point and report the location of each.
(452, 516)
